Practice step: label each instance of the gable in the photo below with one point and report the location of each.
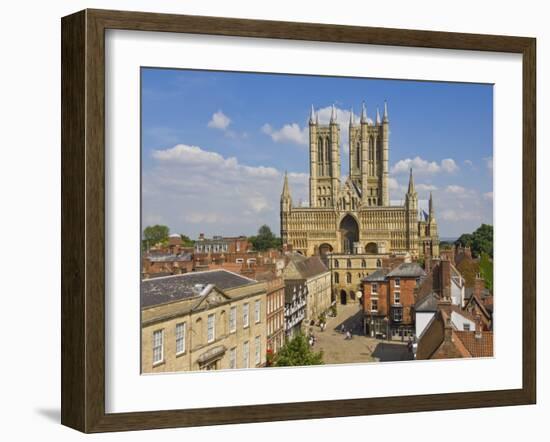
(212, 298)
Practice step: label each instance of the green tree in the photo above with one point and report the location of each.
(297, 352)
(265, 239)
(153, 235)
(486, 270)
(480, 241)
(186, 241)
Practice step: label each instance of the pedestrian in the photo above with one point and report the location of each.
(343, 328)
(348, 335)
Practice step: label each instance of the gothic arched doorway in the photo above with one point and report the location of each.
(343, 297)
(372, 248)
(325, 249)
(349, 232)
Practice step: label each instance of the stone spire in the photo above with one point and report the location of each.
(377, 116)
(333, 115)
(364, 113)
(286, 188)
(411, 190)
(431, 205)
(351, 117)
(385, 120)
(312, 116)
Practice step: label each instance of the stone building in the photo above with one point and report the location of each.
(202, 321)
(355, 216)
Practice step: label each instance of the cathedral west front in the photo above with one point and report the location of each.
(353, 222)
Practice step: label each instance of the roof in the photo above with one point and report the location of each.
(304, 268)
(170, 257)
(479, 347)
(407, 270)
(177, 287)
(427, 304)
(378, 276)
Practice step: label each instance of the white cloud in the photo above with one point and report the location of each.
(288, 133)
(468, 163)
(219, 121)
(488, 196)
(425, 187)
(420, 166)
(489, 163)
(448, 165)
(195, 190)
(455, 189)
(459, 215)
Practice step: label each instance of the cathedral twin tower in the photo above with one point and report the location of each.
(355, 217)
(368, 159)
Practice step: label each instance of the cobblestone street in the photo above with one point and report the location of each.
(337, 350)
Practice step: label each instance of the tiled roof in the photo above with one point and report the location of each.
(174, 288)
(170, 258)
(378, 276)
(407, 270)
(479, 347)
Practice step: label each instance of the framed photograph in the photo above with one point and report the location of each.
(267, 221)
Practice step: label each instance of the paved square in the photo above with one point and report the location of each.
(338, 350)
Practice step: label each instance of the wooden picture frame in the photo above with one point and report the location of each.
(83, 220)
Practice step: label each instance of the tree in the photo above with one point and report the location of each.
(486, 270)
(481, 241)
(297, 352)
(265, 239)
(186, 241)
(153, 235)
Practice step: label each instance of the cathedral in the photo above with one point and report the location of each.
(355, 217)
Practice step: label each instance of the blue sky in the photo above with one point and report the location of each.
(215, 145)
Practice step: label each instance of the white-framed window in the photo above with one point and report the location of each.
(211, 327)
(397, 282)
(245, 316)
(257, 310)
(374, 288)
(257, 350)
(396, 297)
(233, 358)
(397, 314)
(239, 260)
(374, 305)
(233, 320)
(181, 331)
(158, 346)
(246, 354)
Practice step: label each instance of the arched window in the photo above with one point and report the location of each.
(349, 263)
(358, 155)
(363, 263)
(336, 264)
(348, 278)
(336, 278)
(378, 263)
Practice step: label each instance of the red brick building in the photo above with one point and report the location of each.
(275, 300)
(389, 298)
(442, 340)
(221, 244)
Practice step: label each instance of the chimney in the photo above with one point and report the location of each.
(479, 286)
(478, 327)
(428, 263)
(448, 327)
(468, 251)
(445, 278)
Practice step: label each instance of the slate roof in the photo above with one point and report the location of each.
(427, 304)
(158, 291)
(170, 258)
(308, 267)
(378, 276)
(407, 270)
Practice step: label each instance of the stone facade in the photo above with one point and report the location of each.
(355, 217)
(205, 328)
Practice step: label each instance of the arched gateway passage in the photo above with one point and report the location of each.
(349, 232)
(343, 297)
